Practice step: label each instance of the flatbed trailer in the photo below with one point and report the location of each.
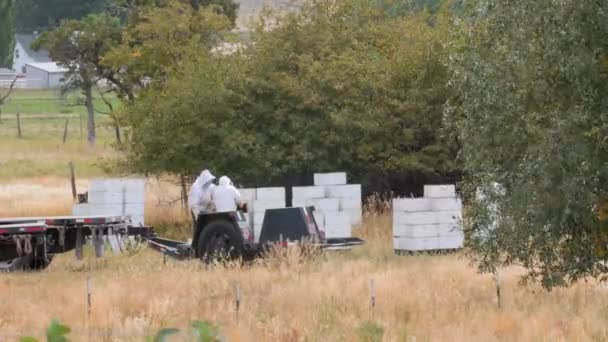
(31, 242)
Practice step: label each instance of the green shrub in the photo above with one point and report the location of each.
(370, 332)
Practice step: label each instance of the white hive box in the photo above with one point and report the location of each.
(352, 191)
(415, 244)
(353, 207)
(106, 197)
(449, 230)
(81, 209)
(320, 219)
(337, 224)
(428, 223)
(334, 178)
(248, 194)
(135, 186)
(298, 203)
(324, 204)
(271, 194)
(350, 204)
(137, 209)
(116, 196)
(449, 217)
(308, 192)
(257, 230)
(261, 205)
(446, 204)
(258, 218)
(337, 218)
(419, 231)
(356, 216)
(439, 191)
(412, 204)
(332, 231)
(415, 218)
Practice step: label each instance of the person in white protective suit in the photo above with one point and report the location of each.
(226, 197)
(199, 198)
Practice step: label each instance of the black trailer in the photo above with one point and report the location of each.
(229, 235)
(29, 243)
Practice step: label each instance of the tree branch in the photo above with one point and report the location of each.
(10, 90)
(108, 103)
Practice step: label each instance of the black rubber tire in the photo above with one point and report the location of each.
(40, 263)
(220, 240)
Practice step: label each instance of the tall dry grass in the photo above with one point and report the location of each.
(290, 298)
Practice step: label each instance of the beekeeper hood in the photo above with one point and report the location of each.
(225, 181)
(197, 192)
(206, 177)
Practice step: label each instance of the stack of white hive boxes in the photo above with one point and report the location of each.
(337, 204)
(114, 196)
(428, 223)
(265, 198)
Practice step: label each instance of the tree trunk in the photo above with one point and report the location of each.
(117, 132)
(88, 101)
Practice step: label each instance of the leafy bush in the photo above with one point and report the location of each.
(370, 332)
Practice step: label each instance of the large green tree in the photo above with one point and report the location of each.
(79, 45)
(333, 86)
(530, 109)
(157, 38)
(349, 86)
(7, 33)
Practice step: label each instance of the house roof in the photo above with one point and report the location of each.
(50, 67)
(26, 41)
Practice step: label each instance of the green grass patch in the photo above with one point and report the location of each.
(50, 101)
(370, 332)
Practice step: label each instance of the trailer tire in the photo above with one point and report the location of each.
(220, 241)
(40, 263)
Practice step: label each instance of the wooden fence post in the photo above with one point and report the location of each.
(19, 125)
(89, 295)
(80, 116)
(237, 300)
(497, 280)
(65, 130)
(372, 295)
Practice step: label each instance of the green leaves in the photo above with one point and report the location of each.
(163, 335)
(330, 87)
(205, 331)
(528, 98)
(7, 33)
(57, 332)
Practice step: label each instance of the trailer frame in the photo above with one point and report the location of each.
(38, 239)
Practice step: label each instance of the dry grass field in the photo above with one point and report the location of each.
(283, 298)
(286, 297)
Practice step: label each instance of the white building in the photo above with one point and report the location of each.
(44, 75)
(24, 53)
(7, 75)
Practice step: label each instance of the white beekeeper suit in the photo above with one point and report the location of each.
(225, 196)
(199, 198)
